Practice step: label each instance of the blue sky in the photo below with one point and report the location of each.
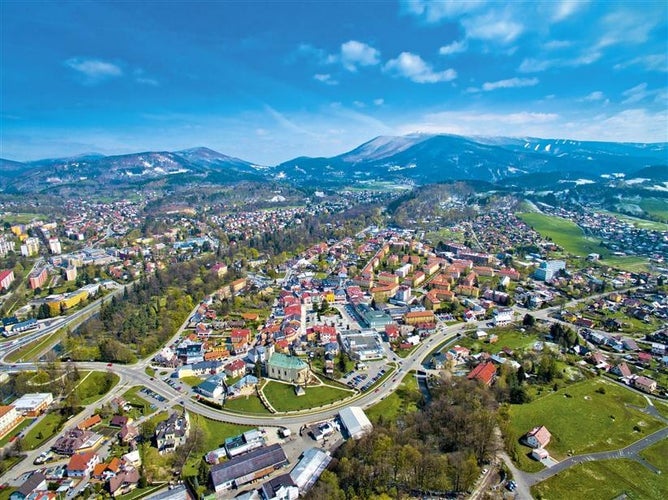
(268, 81)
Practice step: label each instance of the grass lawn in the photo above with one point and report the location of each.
(94, 385)
(510, 338)
(191, 381)
(662, 407)
(49, 425)
(630, 263)
(137, 401)
(564, 233)
(215, 434)
(657, 455)
(141, 492)
(403, 400)
(282, 396)
(150, 371)
(16, 430)
(603, 480)
(246, 404)
(582, 420)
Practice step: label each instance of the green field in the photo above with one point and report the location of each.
(604, 480)
(47, 427)
(282, 396)
(246, 404)
(15, 431)
(656, 207)
(657, 455)
(582, 420)
(640, 223)
(564, 233)
(403, 400)
(508, 337)
(570, 237)
(94, 385)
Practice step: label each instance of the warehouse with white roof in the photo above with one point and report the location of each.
(355, 421)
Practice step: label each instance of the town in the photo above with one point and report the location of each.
(272, 360)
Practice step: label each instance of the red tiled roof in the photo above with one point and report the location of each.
(484, 372)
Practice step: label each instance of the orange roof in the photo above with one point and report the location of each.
(90, 422)
(5, 409)
(484, 372)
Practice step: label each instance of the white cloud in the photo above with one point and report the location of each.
(557, 44)
(325, 78)
(435, 11)
(625, 26)
(379, 101)
(631, 125)
(493, 26)
(566, 8)
(597, 95)
(531, 65)
(94, 70)
(483, 123)
(453, 48)
(413, 67)
(510, 83)
(354, 54)
(636, 94)
(651, 62)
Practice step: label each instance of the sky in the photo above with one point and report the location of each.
(270, 81)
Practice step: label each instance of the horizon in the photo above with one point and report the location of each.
(265, 83)
(177, 151)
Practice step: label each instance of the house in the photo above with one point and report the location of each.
(622, 369)
(484, 372)
(120, 421)
(539, 454)
(128, 433)
(35, 482)
(235, 368)
(123, 483)
(104, 470)
(81, 465)
(90, 422)
(538, 437)
(172, 433)
(287, 368)
(645, 384)
(76, 441)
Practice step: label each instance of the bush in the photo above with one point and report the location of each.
(601, 390)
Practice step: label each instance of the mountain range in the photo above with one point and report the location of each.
(413, 159)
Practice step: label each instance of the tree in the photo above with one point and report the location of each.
(529, 321)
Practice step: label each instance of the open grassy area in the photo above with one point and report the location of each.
(657, 455)
(403, 400)
(215, 434)
(133, 398)
(246, 404)
(191, 381)
(604, 480)
(582, 420)
(508, 337)
(15, 431)
(640, 223)
(46, 428)
(629, 263)
(35, 348)
(656, 207)
(94, 385)
(564, 233)
(283, 398)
